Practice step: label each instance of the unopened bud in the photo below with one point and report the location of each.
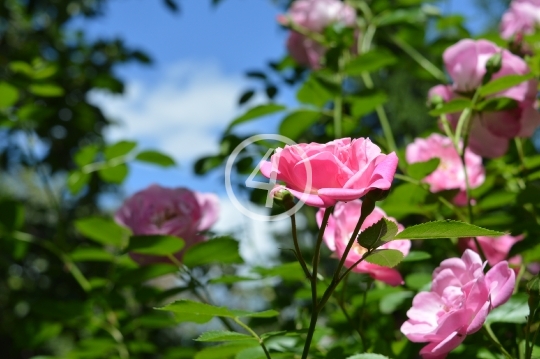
(493, 65)
(283, 197)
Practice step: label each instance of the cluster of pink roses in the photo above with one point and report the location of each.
(490, 131)
(314, 16)
(177, 212)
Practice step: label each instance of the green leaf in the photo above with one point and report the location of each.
(156, 158)
(390, 303)
(187, 310)
(77, 180)
(419, 170)
(383, 230)
(503, 83)
(142, 274)
(246, 96)
(368, 356)
(413, 16)
(8, 95)
(221, 250)
(46, 90)
(456, 105)
(223, 336)
(313, 92)
(86, 155)
(22, 68)
(515, 310)
(497, 104)
(104, 231)
(157, 245)
(418, 281)
(115, 174)
(370, 62)
(445, 229)
(226, 351)
(257, 112)
(119, 149)
(414, 256)
(364, 104)
(91, 254)
(288, 271)
(385, 257)
(298, 122)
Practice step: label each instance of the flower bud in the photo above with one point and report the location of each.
(283, 197)
(493, 65)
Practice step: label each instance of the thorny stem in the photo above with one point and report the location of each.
(254, 335)
(313, 280)
(299, 255)
(494, 340)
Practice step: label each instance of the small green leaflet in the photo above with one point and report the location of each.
(296, 123)
(256, 112)
(155, 157)
(187, 310)
(104, 231)
(119, 149)
(383, 230)
(370, 62)
(420, 170)
(445, 229)
(220, 250)
(223, 336)
(503, 83)
(8, 95)
(385, 257)
(158, 245)
(453, 106)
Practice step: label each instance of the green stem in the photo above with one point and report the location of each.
(367, 207)
(338, 108)
(68, 263)
(528, 345)
(313, 281)
(381, 114)
(494, 340)
(198, 284)
(351, 323)
(420, 59)
(299, 255)
(254, 335)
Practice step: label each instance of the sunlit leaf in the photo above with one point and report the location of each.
(296, 123)
(46, 90)
(221, 250)
(515, 310)
(155, 157)
(223, 336)
(503, 83)
(158, 245)
(445, 229)
(383, 230)
(257, 112)
(420, 170)
(101, 230)
(385, 257)
(8, 95)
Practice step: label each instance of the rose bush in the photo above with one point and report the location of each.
(490, 131)
(340, 170)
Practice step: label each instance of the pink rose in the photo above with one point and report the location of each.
(460, 299)
(338, 232)
(496, 249)
(490, 130)
(449, 174)
(168, 211)
(341, 170)
(314, 15)
(520, 19)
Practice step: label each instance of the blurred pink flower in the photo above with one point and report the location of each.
(460, 299)
(496, 249)
(520, 19)
(449, 174)
(490, 130)
(340, 170)
(314, 15)
(338, 232)
(168, 211)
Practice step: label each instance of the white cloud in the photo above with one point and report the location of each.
(182, 115)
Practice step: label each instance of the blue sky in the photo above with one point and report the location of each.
(184, 100)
